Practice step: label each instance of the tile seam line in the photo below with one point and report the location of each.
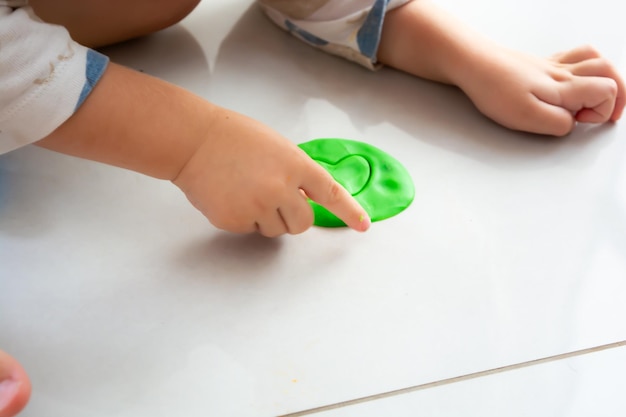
(461, 378)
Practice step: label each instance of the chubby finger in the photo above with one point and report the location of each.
(578, 54)
(272, 224)
(297, 213)
(592, 99)
(601, 67)
(548, 119)
(322, 188)
(14, 386)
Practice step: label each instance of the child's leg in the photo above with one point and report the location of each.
(97, 23)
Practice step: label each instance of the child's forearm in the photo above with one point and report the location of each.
(135, 121)
(423, 40)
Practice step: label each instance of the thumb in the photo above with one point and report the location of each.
(14, 386)
(322, 188)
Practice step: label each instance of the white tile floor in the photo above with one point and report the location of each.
(122, 301)
(591, 383)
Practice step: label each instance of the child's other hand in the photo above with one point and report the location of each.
(546, 96)
(245, 178)
(14, 386)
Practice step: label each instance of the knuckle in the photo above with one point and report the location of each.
(333, 193)
(612, 87)
(590, 51)
(603, 65)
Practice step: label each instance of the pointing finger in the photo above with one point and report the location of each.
(322, 188)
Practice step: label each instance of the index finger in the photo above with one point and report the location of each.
(322, 188)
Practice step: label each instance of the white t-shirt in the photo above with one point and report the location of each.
(45, 75)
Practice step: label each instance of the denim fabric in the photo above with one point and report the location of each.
(96, 64)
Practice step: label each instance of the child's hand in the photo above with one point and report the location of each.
(241, 175)
(245, 177)
(519, 91)
(545, 96)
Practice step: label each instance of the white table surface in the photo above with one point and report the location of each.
(121, 300)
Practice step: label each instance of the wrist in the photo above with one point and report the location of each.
(423, 40)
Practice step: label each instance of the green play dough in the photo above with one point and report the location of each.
(376, 180)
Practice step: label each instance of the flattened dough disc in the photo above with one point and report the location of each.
(377, 181)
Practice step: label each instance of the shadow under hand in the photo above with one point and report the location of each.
(231, 256)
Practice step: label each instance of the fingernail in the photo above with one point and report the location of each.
(8, 389)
